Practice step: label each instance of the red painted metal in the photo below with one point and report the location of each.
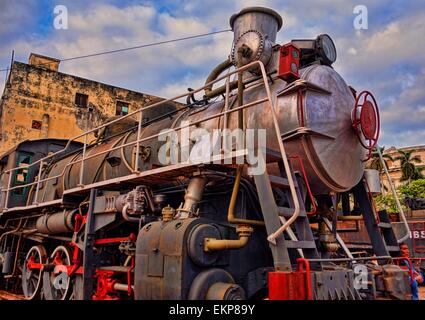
(310, 194)
(367, 123)
(105, 285)
(418, 226)
(303, 266)
(130, 270)
(291, 285)
(131, 237)
(32, 265)
(289, 62)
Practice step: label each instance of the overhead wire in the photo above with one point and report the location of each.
(96, 54)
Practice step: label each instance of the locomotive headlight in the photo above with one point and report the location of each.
(326, 49)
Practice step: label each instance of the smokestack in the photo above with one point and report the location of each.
(255, 29)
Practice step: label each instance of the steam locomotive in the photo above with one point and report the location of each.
(131, 215)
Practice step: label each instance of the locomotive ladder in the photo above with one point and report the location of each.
(301, 242)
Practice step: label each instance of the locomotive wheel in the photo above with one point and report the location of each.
(56, 283)
(32, 278)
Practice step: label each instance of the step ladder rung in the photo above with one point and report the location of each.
(301, 244)
(385, 225)
(393, 248)
(277, 181)
(288, 212)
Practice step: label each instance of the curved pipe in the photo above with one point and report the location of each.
(126, 216)
(277, 233)
(215, 73)
(213, 244)
(231, 212)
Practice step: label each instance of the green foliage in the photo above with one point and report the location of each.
(415, 189)
(386, 202)
(407, 164)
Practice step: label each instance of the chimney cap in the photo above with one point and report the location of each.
(258, 9)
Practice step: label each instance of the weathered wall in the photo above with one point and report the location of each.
(394, 168)
(34, 93)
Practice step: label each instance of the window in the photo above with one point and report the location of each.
(81, 100)
(122, 108)
(36, 125)
(22, 174)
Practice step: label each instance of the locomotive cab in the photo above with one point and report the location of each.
(22, 156)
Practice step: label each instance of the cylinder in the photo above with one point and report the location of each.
(60, 222)
(265, 20)
(373, 181)
(194, 192)
(254, 33)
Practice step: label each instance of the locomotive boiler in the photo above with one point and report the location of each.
(132, 215)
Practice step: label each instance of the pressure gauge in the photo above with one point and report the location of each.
(326, 49)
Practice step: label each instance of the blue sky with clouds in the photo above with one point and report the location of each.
(387, 59)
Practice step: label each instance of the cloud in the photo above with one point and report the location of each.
(387, 59)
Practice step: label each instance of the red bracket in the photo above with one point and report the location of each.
(291, 285)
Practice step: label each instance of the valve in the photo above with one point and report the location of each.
(366, 121)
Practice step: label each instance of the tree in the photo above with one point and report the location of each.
(409, 171)
(376, 161)
(415, 190)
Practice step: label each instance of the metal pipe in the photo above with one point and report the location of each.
(241, 51)
(231, 211)
(37, 188)
(55, 223)
(244, 232)
(139, 129)
(277, 233)
(126, 216)
(214, 74)
(193, 195)
(338, 238)
(351, 259)
(394, 192)
(121, 287)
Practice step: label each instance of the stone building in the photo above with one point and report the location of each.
(394, 168)
(40, 102)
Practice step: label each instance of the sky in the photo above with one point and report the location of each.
(387, 59)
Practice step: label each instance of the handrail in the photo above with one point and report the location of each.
(272, 238)
(137, 142)
(397, 201)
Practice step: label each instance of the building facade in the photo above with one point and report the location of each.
(394, 167)
(40, 102)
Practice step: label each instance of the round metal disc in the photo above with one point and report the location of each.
(56, 283)
(368, 120)
(31, 279)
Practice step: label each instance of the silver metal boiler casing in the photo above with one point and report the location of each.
(326, 143)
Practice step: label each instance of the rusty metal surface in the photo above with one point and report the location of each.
(4, 295)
